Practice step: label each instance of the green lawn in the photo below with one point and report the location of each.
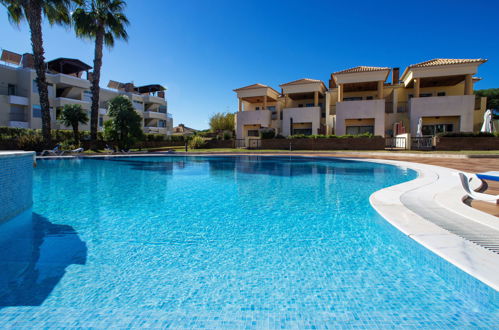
(232, 150)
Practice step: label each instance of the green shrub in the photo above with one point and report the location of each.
(154, 137)
(267, 134)
(468, 134)
(30, 142)
(197, 142)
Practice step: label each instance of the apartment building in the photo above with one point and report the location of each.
(68, 83)
(360, 100)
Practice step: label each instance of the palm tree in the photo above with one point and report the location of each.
(33, 11)
(73, 115)
(103, 21)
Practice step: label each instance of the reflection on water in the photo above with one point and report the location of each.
(34, 254)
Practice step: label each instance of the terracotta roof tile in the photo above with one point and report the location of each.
(446, 61)
(303, 81)
(362, 69)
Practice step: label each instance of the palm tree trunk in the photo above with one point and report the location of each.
(76, 134)
(34, 16)
(95, 89)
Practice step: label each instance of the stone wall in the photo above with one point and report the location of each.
(467, 143)
(374, 143)
(16, 183)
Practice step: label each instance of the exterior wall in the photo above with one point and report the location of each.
(441, 106)
(246, 118)
(16, 182)
(301, 115)
(370, 109)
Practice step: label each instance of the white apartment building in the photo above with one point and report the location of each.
(68, 83)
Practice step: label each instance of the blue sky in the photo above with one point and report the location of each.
(202, 50)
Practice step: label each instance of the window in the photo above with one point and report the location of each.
(37, 111)
(300, 105)
(161, 123)
(369, 97)
(436, 129)
(425, 95)
(355, 98)
(356, 130)
(304, 131)
(253, 132)
(257, 108)
(272, 108)
(35, 86)
(309, 105)
(441, 94)
(11, 89)
(101, 121)
(87, 96)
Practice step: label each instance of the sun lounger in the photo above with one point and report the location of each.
(52, 152)
(465, 181)
(75, 151)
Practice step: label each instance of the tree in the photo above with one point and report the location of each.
(34, 11)
(492, 95)
(73, 115)
(220, 122)
(103, 21)
(125, 124)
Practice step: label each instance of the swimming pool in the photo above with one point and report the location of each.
(232, 242)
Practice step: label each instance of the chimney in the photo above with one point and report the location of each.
(332, 83)
(28, 61)
(395, 76)
(129, 88)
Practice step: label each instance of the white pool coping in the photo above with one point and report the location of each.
(436, 188)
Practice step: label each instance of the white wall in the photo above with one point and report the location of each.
(257, 117)
(461, 105)
(361, 110)
(301, 115)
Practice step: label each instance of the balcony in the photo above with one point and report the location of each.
(153, 99)
(62, 101)
(254, 117)
(64, 79)
(154, 115)
(361, 109)
(443, 106)
(18, 124)
(18, 100)
(155, 130)
(301, 115)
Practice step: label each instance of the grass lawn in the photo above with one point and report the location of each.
(232, 150)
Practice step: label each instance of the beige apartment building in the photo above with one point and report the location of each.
(68, 83)
(363, 100)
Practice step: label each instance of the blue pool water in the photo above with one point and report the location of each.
(223, 242)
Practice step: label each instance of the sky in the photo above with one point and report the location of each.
(202, 50)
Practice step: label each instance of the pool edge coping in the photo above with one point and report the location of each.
(471, 258)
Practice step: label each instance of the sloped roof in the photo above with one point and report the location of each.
(303, 81)
(254, 86)
(362, 68)
(447, 61)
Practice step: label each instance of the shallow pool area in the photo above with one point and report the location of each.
(224, 242)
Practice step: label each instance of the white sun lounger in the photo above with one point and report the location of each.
(75, 151)
(465, 181)
(53, 152)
